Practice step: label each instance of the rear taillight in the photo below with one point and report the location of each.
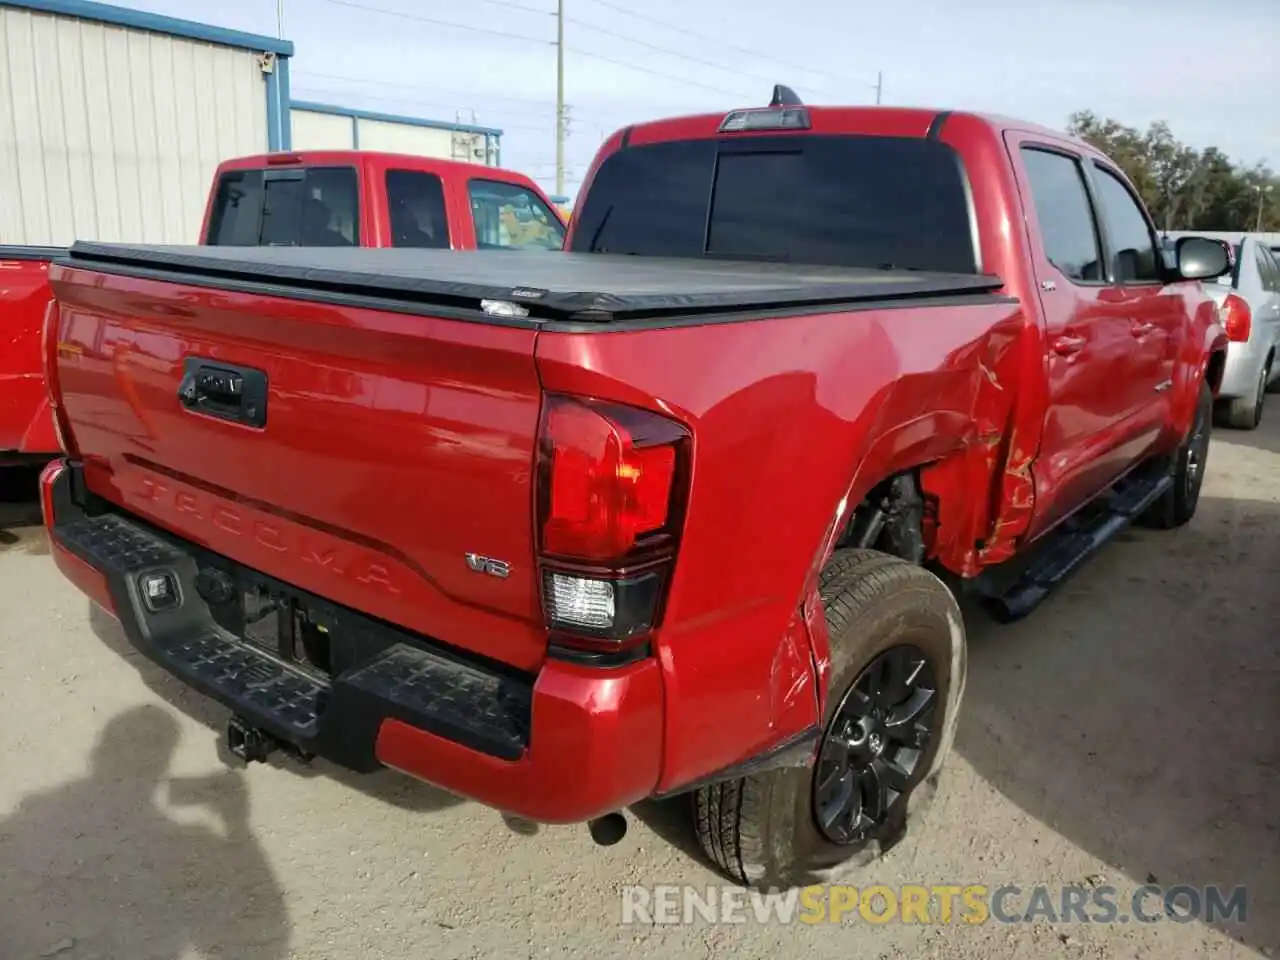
(612, 486)
(1237, 318)
(50, 338)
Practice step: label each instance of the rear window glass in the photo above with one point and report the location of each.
(832, 200)
(307, 207)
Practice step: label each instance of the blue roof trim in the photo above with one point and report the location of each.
(141, 20)
(337, 111)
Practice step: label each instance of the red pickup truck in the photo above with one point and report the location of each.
(322, 198)
(668, 513)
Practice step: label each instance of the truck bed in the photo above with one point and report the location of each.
(554, 287)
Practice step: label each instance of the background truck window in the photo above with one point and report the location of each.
(1061, 202)
(511, 216)
(415, 204)
(1133, 244)
(307, 207)
(840, 200)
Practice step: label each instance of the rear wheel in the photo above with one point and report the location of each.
(897, 678)
(1178, 504)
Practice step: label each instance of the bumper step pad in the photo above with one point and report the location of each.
(394, 674)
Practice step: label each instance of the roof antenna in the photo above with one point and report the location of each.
(784, 96)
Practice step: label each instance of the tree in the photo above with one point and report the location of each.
(1184, 189)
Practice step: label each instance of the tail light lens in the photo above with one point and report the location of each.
(50, 337)
(1237, 318)
(612, 485)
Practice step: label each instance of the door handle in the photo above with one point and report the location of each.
(238, 394)
(1141, 329)
(1068, 345)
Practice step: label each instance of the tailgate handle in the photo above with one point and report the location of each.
(215, 389)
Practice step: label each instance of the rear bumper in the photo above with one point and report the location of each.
(569, 743)
(1244, 364)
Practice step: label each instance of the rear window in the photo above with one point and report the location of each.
(296, 207)
(831, 200)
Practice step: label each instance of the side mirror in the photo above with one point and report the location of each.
(1199, 258)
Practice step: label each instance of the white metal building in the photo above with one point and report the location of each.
(112, 120)
(323, 126)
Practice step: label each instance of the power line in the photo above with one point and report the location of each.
(718, 41)
(428, 103)
(440, 23)
(307, 93)
(369, 8)
(419, 86)
(667, 51)
(657, 73)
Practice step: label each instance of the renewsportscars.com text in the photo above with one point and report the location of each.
(936, 904)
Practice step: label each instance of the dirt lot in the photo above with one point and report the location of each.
(1129, 732)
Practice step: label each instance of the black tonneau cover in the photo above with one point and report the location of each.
(12, 252)
(550, 285)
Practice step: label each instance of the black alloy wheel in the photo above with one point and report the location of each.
(873, 745)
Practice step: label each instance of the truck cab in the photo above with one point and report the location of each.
(357, 198)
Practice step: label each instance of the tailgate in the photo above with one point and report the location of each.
(390, 445)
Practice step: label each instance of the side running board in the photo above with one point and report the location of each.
(1065, 550)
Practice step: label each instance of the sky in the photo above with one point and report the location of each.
(1208, 70)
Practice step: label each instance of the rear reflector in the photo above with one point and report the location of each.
(766, 118)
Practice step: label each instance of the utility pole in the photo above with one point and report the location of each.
(559, 98)
(879, 86)
(280, 19)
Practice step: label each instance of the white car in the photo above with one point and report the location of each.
(1249, 298)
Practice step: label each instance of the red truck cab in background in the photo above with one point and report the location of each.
(322, 198)
(363, 198)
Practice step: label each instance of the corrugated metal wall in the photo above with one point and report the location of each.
(320, 131)
(400, 138)
(109, 133)
(315, 129)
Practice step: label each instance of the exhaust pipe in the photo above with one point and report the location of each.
(608, 830)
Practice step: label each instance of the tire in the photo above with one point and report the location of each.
(1245, 413)
(1178, 504)
(763, 830)
(1274, 386)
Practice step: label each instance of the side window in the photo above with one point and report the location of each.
(507, 215)
(415, 205)
(1133, 245)
(332, 193)
(1066, 218)
(236, 216)
(1268, 269)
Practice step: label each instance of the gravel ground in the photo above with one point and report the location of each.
(1126, 733)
